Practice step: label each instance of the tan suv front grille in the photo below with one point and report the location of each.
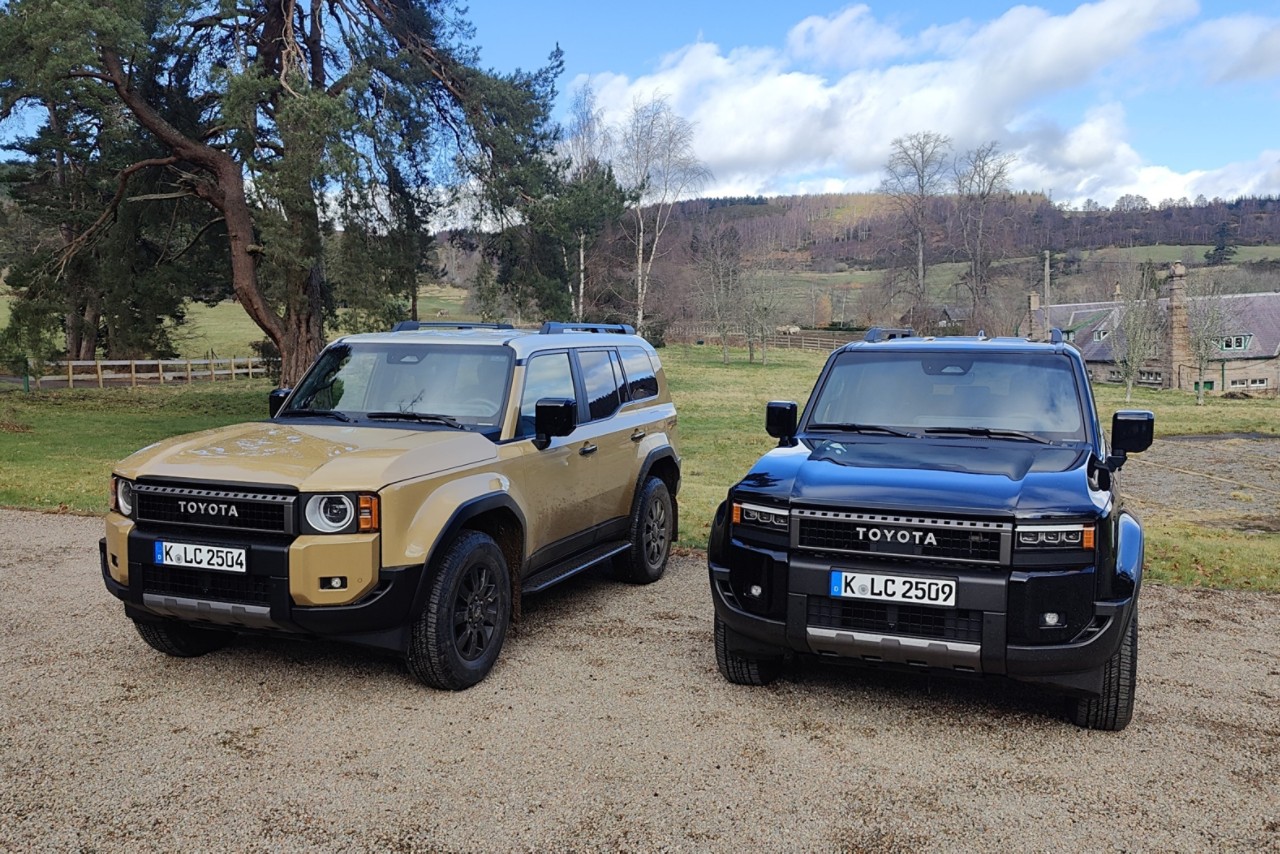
(211, 508)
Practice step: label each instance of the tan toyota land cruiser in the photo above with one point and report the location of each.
(405, 495)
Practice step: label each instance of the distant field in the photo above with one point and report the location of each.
(1169, 254)
(225, 330)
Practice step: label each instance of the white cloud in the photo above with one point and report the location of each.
(848, 39)
(770, 121)
(1237, 49)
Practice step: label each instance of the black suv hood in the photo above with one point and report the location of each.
(1006, 478)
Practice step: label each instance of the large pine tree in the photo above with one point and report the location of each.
(298, 117)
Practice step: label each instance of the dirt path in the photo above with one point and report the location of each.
(605, 726)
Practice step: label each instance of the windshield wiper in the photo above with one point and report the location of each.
(989, 432)
(420, 417)
(314, 413)
(850, 427)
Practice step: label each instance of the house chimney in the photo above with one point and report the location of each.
(1178, 343)
(1034, 330)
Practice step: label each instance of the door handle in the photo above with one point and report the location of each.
(588, 449)
(638, 435)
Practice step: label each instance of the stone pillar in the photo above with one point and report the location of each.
(1177, 357)
(1035, 330)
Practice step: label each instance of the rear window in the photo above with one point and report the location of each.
(599, 375)
(642, 380)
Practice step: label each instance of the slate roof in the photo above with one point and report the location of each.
(1250, 314)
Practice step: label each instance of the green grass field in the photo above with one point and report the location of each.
(1162, 254)
(57, 447)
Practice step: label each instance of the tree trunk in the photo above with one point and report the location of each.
(582, 276)
(641, 284)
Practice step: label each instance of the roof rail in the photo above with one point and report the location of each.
(886, 333)
(1055, 335)
(414, 325)
(553, 327)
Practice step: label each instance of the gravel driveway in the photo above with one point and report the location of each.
(606, 726)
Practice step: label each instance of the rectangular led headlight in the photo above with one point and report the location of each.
(1055, 536)
(770, 518)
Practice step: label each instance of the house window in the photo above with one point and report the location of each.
(1150, 376)
(1069, 335)
(1101, 334)
(1236, 342)
(1258, 382)
(1239, 383)
(1114, 376)
(1208, 385)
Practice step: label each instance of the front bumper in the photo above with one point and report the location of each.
(992, 630)
(278, 592)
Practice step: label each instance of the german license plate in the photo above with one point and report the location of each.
(893, 588)
(200, 557)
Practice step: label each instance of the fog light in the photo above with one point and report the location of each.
(1050, 620)
(756, 591)
(336, 582)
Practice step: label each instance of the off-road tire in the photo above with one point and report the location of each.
(456, 639)
(181, 640)
(740, 669)
(1113, 710)
(652, 530)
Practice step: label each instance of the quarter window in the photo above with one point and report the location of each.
(642, 380)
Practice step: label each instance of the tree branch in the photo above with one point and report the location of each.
(82, 239)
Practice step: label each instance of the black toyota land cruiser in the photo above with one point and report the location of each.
(948, 505)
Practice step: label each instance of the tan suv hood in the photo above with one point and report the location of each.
(312, 457)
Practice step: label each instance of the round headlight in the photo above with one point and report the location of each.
(330, 513)
(124, 496)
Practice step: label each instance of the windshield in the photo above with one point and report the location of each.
(452, 386)
(1017, 396)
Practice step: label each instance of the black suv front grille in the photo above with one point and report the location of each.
(195, 507)
(203, 584)
(892, 619)
(898, 537)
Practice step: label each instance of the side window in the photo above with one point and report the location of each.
(601, 380)
(642, 381)
(547, 375)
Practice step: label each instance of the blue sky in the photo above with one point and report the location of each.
(1162, 98)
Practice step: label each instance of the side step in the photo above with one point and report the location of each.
(558, 572)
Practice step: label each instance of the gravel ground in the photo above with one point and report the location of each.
(605, 726)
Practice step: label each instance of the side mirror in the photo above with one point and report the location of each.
(780, 419)
(1132, 431)
(553, 416)
(276, 399)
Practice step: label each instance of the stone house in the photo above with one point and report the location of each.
(1248, 356)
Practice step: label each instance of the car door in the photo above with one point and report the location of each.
(612, 462)
(555, 483)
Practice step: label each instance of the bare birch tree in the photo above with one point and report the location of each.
(1208, 322)
(916, 171)
(761, 299)
(1140, 325)
(655, 160)
(591, 195)
(981, 178)
(718, 271)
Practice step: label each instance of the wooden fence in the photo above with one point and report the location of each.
(134, 372)
(692, 333)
